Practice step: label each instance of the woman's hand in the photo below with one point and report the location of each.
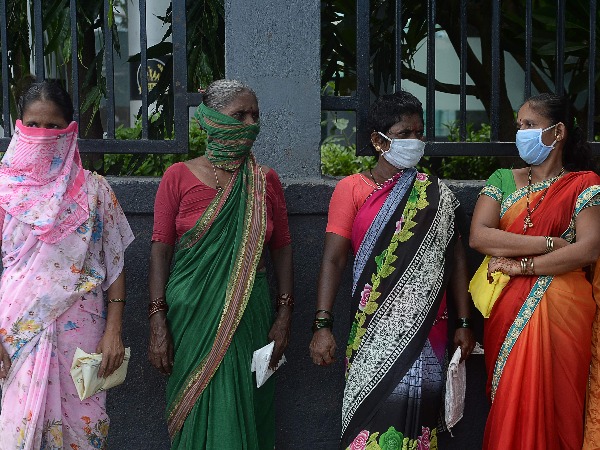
(463, 338)
(322, 347)
(280, 333)
(507, 266)
(160, 348)
(4, 362)
(113, 352)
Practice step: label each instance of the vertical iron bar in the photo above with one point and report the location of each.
(5, 80)
(559, 76)
(144, 67)
(592, 73)
(180, 80)
(528, 42)
(39, 40)
(109, 70)
(495, 100)
(430, 96)
(398, 78)
(74, 60)
(363, 57)
(462, 126)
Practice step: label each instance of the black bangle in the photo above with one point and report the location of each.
(322, 322)
(463, 322)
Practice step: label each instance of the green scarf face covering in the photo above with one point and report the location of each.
(229, 140)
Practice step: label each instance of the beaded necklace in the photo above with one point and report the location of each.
(527, 222)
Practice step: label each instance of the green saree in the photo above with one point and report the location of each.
(219, 313)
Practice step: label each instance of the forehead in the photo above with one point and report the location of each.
(527, 113)
(408, 121)
(243, 101)
(43, 109)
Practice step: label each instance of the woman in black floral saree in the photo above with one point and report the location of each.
(401, 226)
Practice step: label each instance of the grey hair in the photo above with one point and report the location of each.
(221, 93)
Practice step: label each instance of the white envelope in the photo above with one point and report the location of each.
(260, 363)
(84, 372)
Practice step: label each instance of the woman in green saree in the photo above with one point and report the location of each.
(212, 310)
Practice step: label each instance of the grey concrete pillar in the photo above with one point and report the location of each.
(277, 54)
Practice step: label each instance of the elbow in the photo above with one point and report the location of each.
(476, 242)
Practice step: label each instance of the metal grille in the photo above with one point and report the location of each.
(359, 101)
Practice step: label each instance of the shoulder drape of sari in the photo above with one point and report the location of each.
(399, 283)
(538, 336)
(210, 284)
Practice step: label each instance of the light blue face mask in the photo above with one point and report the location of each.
(531, 148)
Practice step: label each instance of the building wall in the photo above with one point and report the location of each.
(308, 399)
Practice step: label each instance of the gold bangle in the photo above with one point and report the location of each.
(549, 244)
(116, 300)
(285, 300)
(156, 305)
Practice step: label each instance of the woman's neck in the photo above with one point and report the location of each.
(548, 169)
(383, 170)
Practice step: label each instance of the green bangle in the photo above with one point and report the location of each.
(463, 322)
(324, 311)
(116, 300)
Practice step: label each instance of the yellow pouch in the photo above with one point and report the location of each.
(84, 372)
(483, 292)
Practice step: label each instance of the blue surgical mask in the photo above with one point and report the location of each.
(404, 153)
(531, 148)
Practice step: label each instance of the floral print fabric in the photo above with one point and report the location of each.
(51, 302)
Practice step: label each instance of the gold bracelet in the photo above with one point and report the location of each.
(285, 300)
(523, 266)
(156, 305)
(549, 244)
(116, 300)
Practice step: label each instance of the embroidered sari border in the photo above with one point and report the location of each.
(393, 199)
(517, 327)
(238, 293)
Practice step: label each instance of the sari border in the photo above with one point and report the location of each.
(518, 194)
(521, 320)
(208, 217)
(239, 288)
(403, 184)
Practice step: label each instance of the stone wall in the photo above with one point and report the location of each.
(308, 398)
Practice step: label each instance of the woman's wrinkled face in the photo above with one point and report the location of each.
(44, 114)
(244, 108)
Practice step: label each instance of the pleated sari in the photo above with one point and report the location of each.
(538, 337)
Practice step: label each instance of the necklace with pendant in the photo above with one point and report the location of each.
(527, 221)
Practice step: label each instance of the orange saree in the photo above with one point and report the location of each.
(538, 339)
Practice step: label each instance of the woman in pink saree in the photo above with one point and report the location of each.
(63, 240)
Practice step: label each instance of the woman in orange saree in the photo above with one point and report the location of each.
(541, 224)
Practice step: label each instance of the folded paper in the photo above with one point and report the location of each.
(84, 372)
(260, 363)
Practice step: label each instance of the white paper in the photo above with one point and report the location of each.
(260, 363)
(456, 386)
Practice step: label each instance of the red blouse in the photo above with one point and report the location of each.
(182, 198)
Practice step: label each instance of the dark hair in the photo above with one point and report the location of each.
(390, 109)
(47, 91)
(221, 93)
(577, 154)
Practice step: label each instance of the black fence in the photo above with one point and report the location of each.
(360, 99)
(357, 102)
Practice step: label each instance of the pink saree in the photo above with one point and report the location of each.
(51, 302)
